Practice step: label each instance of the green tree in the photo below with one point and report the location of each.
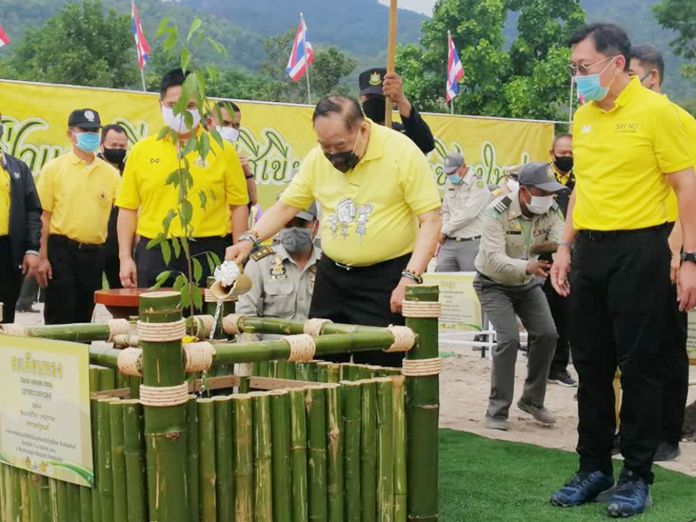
(80, 45)
(680, 16)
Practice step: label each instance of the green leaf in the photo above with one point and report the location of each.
(177, 247)
(161, 279)
(185, 246)
(191, 144)
(163, 27)
(195, 25)
(197, 295)
(163, 133)
(197, 270)
(166, 252)
(186, 213)
(173, 179)
(216, 259)
(155, 241)
(180, 282)
(218, 139)
(204, 146)
(217, 46)
(170, 43)
(203, 198)
(185, 59)
(211, 262)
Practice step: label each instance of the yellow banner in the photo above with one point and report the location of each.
(275, 137)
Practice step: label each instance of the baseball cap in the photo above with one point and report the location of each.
(308, 215)
(539, 175)
(370, 81)
(452, 162)
(87, 119)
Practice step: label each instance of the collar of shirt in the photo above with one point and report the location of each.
(375, 144)
(625, 97)
(515, 209)
(561, 177)
(74, 160)
(283, 254)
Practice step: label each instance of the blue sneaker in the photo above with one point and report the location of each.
(631, 496)
(582, 488)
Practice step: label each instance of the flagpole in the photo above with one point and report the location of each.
(309, 89)
(142, 77)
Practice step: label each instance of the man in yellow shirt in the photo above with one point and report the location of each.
(146, 198)
(630, 149)
(77, 191)
(647, 63)
(380, 218)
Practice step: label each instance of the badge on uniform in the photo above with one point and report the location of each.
(278, 269)
(312, 278)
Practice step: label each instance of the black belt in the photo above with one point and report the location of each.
(460, 239)
(87, 247)
(350, 268)
(608, 235)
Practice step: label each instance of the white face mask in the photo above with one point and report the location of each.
(540, 204)
(513, 185)
(229, 134)
(177, 123)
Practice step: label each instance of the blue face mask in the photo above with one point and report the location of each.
(87, 141)
(590, 88)
(454, 179)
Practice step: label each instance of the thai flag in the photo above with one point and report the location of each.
(455, 71)
(4, 39)
(141, 44)
(302, 55)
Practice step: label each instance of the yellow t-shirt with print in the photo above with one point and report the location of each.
(219, 181)
(621, 158)
(369, 214)
(79, 197)
(690, 124)
(4, 199)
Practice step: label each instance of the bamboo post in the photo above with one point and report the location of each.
(350, 410)
(165, 426)
(105, 480)
(391, 56)
(62, 499)
(118, 461)
(422, 408)
(25, 505)
(134, 459)
(315, 404)
(280, 435)
(368, 448)
(334, 444)
(400, 489)
(86, 504)
(206, 460)
(193, 483)
(385, 456)
(243, 450)
(298, 455)
(223, 458)
(263, 467)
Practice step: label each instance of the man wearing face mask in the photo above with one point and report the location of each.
(630, 148)
(375, 86)
(77, 192)
(283, 276)
(114, 142)
(466, 197)
(146, 198)
(508, 284)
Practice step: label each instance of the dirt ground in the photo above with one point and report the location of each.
(464, 388)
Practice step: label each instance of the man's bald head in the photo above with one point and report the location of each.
(346, 107)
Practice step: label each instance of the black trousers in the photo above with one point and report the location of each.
(359, 296)
(10, 281)
(77, 274)
(559, 311)
(619, 291)
(112, 265)
(150, 263)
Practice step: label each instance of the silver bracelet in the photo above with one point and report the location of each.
(568, 244)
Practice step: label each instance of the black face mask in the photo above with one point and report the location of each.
(563, 163)
(115, 156)
(374, 108)
(343, 161)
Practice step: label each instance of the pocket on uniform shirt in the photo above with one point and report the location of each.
(279, 299)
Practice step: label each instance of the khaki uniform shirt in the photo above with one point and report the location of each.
(508, 236)
(280, 288)
(462, 207)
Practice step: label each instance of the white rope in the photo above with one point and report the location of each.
(313, 327)
(230, 324)
(421, 367)
(125, 340)
(130, 362)
(302, 347)
(208, 297)
(161, 397)
(14, 329)
(198, 357)
(161, 332)
(204, 325)
(404, 339)
(118, 327)
(421, 309)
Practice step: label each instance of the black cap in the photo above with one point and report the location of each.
(87, 119)
(539, 175)
(370, 81)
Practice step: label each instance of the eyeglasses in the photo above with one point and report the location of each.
(583, 69)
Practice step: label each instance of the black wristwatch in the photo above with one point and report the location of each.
(413, 277)
(688, 256)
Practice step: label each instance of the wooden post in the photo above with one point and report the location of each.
(391, 56)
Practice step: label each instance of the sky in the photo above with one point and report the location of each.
(422, 6)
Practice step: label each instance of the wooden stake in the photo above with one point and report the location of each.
(391, 56)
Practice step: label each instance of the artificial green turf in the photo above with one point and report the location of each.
(484, 480)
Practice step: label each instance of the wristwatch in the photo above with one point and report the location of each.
(413, 277)
(688, 256)
(253, 237)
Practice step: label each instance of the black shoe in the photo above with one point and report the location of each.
(563, 378)
(666, 452)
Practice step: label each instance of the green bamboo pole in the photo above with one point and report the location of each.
(62, 492)
(422, 409)
(385, 456)
(94, 420)
(321, 371)
(334, 444)
(74, 512)
(16, 511)
(39, 512)
(333, 373)
(280, 436)
(193, 460)
(78, 332)
(368, 443)
(400, 483)
(243, 451)
(86, 504)
(25, 496)
(44, 511)
(106, 379)
(165, 427)
(263, 465)
(267, 325)
(316, 421)
(206, 460)
(134, 460)
(351, 412)
(298, 455)
(118, 461)
(283, 370)
(263, 368)
(105, 482)
(223, 458)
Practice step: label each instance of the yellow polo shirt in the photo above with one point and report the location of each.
(690, 124)
(79, 197)
(144, 187)
(4, 199)
(369, 214)
(621, 157)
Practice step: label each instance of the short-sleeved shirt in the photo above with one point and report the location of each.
(690, 124)
(462, 206)
(79, 196)
(621, 158)
(369, 214)
(220, 178)
(4, 199)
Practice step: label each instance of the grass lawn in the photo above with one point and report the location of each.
(483, 480)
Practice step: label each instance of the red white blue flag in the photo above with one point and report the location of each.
(302, 55)
(4, 39)
(141, 44)
(455, 71)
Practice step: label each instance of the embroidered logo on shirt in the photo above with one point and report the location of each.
(586, 129)
(626, 128)
(348, 214)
